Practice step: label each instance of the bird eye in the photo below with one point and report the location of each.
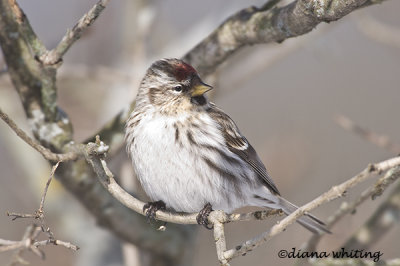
(178, 88)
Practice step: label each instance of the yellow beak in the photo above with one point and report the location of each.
(200, 89)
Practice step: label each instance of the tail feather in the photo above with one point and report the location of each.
(309, 221)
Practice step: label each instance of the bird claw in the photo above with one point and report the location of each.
(150, 209)
(202, 217)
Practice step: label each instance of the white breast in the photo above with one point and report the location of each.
(172, 169)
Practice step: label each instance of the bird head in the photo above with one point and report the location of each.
(173, 86)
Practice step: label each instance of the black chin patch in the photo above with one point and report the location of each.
(198, 100)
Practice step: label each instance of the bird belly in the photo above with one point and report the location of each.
(172, 169)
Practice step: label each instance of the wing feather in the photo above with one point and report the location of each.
(239, 145)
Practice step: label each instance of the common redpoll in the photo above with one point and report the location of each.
(189, 155)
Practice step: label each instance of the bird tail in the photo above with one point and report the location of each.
(309, 221)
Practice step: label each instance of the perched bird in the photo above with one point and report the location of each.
(190, 156)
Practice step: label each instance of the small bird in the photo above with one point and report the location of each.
(190, 156)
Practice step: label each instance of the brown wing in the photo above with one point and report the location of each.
(239, 145)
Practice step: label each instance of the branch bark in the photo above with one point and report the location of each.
(34, 82)
(46, 153)
(263, 25)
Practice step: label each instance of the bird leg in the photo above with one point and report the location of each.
(151, 208)
(202, 217)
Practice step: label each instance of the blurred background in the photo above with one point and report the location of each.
(282, 96)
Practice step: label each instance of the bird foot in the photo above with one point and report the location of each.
(151, 208)
(202, 217)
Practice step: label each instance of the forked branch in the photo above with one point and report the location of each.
(55, 56)
(30, 240)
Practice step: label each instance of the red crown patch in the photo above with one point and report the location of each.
(183, 71)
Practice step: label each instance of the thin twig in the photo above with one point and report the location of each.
(6, 245)
(15, 215)
(55, 56)
(39, 213)
(53, 170)
(333, 193)
(30, 240)
(46, 153)
(56, 243)
(372, 192)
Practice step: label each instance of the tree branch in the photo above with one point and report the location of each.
(263, 25)
(46, 153)
(333, 193)
(55, 56)
(30, 240)
(218, 219)
(34, 82)
(372, 192)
